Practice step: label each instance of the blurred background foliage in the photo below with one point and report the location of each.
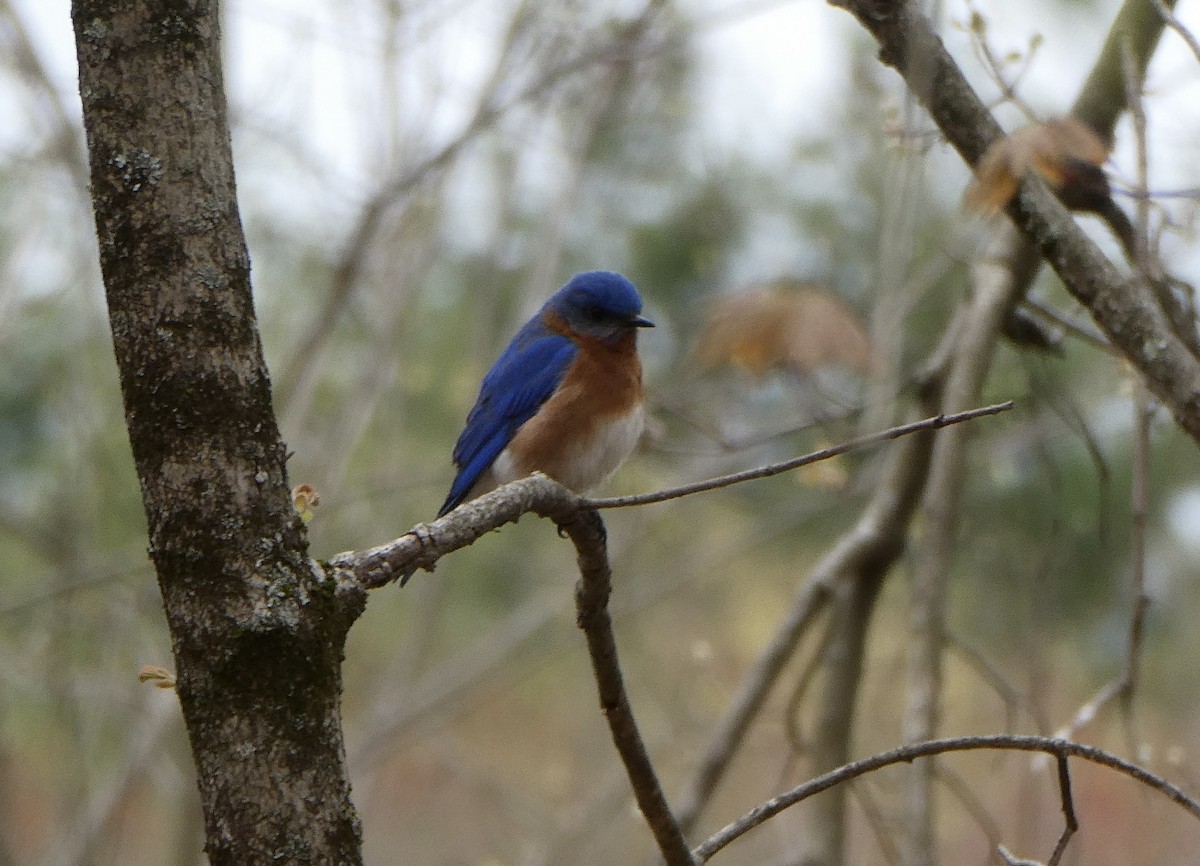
(414, 179)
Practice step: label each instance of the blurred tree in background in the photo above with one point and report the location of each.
(414, 179)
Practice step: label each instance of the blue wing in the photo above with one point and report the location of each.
(521, 380)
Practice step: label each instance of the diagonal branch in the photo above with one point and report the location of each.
(586, 531)
(937, 422)
(1130, 319)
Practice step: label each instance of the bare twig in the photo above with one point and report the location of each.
(625, 45)
(833, 725)
(808, 674)
(586, 531)
(430, 696)
(1071, 823)
(935, 423)
(974, 659)
(877, 822)
(78, 843)
(960, 789)
(910, 45)
(751, 694)
(1175, 24)
(996, 66)
(1060, 749)
(1012, 859)
(1123, 686)
(1082, 330)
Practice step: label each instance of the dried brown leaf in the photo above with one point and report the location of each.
(789, 326)
(1064, 151)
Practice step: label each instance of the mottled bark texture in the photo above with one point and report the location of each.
(256, 628)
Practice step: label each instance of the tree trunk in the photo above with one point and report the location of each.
(257, 629)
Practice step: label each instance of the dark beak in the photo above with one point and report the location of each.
(641, 322)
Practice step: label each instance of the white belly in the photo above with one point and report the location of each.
(584, 464)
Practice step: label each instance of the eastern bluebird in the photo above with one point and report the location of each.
(565, 396)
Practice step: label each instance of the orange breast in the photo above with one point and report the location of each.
(591, 424)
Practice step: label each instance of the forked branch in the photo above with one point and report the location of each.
(355, 572)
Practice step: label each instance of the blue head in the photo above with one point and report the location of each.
(599, 304)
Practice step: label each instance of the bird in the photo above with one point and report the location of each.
(564, 397)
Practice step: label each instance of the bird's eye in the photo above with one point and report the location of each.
(596, 314)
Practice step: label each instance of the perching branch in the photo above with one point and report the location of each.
(355, 572)
(423, 545)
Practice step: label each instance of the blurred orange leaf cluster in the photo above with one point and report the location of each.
(1064, 152)
(787, 326)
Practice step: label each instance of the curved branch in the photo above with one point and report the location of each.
(1060, 749)
(424, 545)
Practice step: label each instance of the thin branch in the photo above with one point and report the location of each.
(808, 675)
(1012, 859)
(1085, 332)
(935, 423)
(877, 822)
(1175, 24)
(1140, 507)
(974, 659)
(750, 697)
(996, 66)
(1061, 749)
(998, 279)
(1123, 686)
(1071, 823)
(1130, 318)
(586, 530)
(625, 46)
(81, 835)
